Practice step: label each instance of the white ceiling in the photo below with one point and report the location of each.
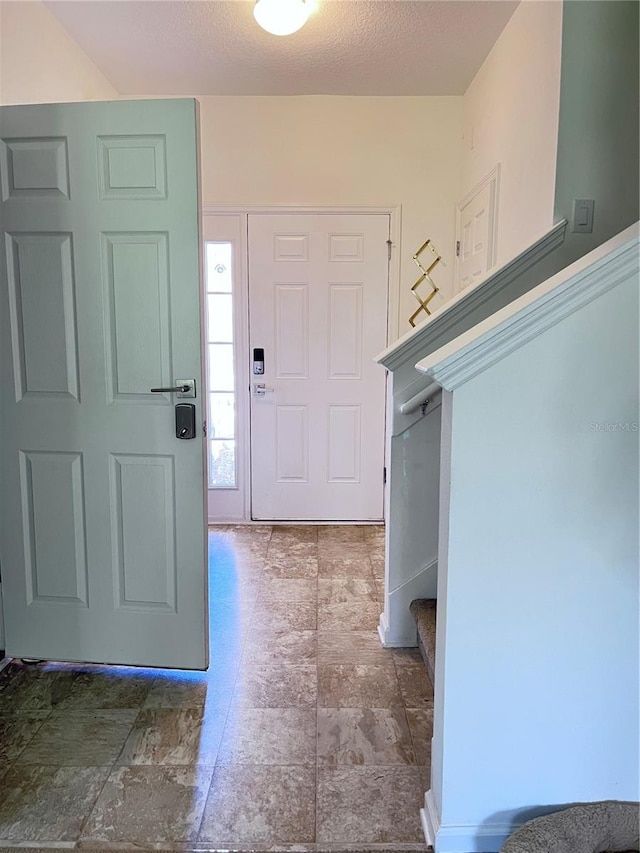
(348, 47)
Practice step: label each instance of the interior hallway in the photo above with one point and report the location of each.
(303, 732)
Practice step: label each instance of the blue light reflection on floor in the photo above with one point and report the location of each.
(199, 714)
(126, 671)
(225, 629)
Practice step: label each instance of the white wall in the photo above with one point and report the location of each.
(312, 150)
(511, 118)
(318, 150)
(40, 62)
(537, 687)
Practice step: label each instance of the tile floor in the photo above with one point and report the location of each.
(304, 734)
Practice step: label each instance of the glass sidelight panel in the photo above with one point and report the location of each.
(222, 425)
(218, 267)
(222, 464)
(221, 372)
(220, 317)
(222, 415)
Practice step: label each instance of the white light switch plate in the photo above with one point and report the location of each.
(583, 215)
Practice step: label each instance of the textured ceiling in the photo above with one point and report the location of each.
(348, 47)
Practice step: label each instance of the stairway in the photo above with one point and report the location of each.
(424, 612)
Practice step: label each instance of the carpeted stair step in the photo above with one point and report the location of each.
(424, 612)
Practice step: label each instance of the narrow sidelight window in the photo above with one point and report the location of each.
(221, 421)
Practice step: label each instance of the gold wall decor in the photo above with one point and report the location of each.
(425, 276)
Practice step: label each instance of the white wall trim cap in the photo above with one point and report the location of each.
(383, 628)
(538, 310)
(413, 344)
(430, 819)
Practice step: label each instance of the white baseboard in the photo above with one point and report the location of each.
(430, 819)
(383, 629)
(472, 839)
(481, 838)
(396, 641)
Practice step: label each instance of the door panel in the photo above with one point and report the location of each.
(318, 306)
(142, 258)
(42, 314)
(344, 444)
(53, 527)
(101, 507)
(143, 514)
(475, 242)
(476, 218)
(291, 331)
(292, 444)
(345, 331)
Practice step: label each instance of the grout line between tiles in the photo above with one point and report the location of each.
(259, 567)
(95, 802)
(233, 690)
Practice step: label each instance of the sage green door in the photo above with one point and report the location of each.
(102, 522)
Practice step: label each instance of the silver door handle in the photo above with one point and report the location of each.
(182, 389)
(260, 389)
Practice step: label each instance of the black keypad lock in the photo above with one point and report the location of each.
(185, 420)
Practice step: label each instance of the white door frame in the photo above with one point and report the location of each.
(493, 178)
(241, 303)
(236, 234)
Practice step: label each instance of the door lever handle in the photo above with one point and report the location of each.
(183, 388)
(177, 389)
(260, 389)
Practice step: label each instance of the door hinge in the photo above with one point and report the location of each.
(384, 476)
(389, 245)
(204, 427)
(457, 248)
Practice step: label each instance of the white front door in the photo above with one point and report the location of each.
(475, 235)
(102, 531)
(318, 286)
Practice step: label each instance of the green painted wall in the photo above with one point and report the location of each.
(598, 134)
(598, 149)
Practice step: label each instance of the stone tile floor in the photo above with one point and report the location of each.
(304, 734)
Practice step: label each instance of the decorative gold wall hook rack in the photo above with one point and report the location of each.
(425, 276)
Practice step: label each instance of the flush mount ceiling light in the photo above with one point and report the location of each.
(281, 17)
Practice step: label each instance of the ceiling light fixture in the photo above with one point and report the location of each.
(281, 17)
